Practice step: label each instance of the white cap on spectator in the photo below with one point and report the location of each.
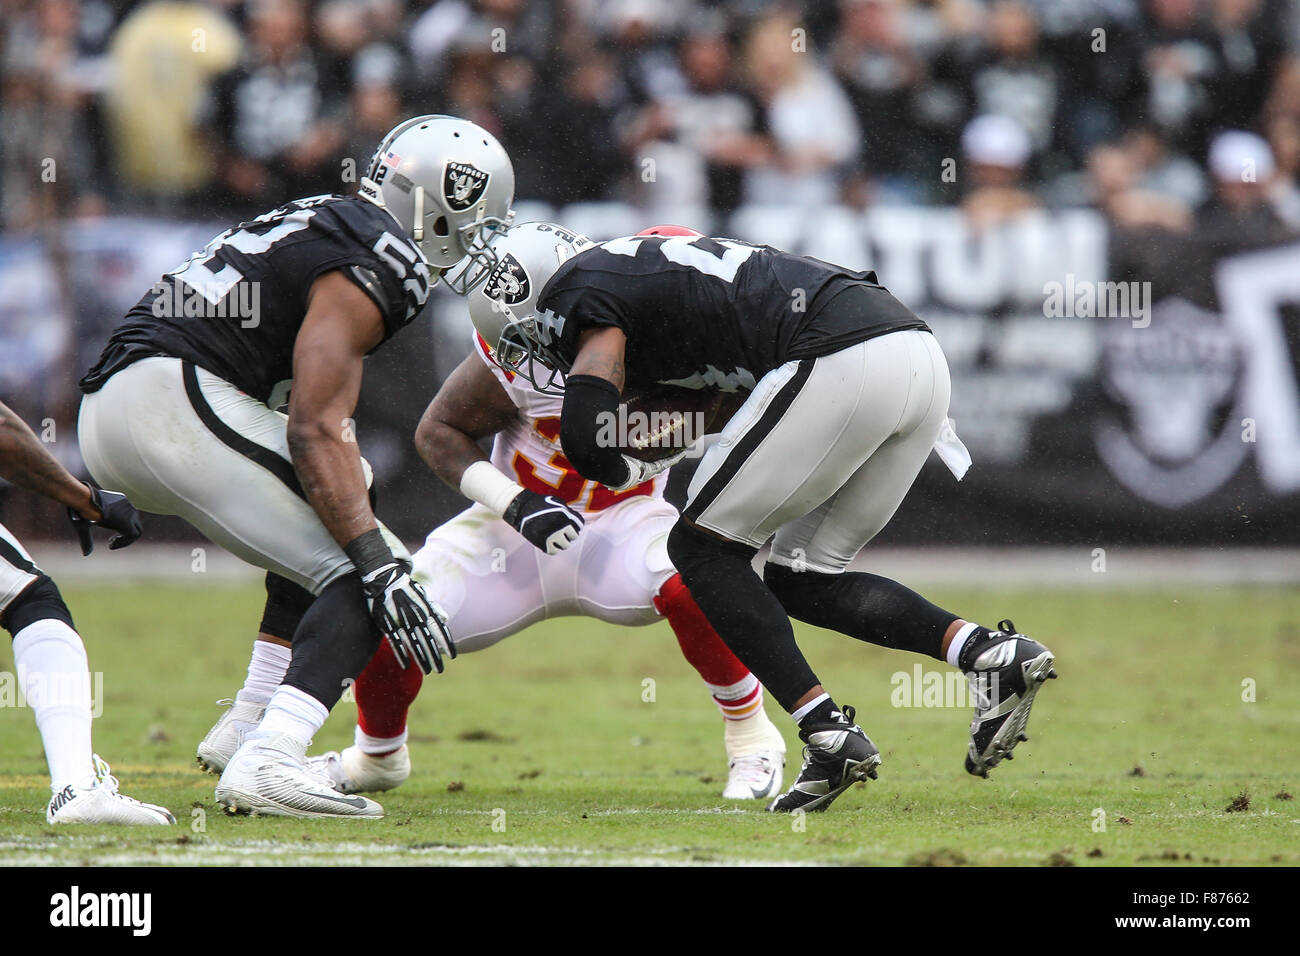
(1236, 153)
(996, 141)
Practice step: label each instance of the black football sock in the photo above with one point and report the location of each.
(826, 712)
(866, 606)
(334, 642)
(744, 612)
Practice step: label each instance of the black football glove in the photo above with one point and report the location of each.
(116, 514)
(399, 607)
(547, 522)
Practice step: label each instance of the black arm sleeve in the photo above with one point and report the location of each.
(589, 403)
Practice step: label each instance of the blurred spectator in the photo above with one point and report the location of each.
(1283, 133)
(1114, 172)
(1182, 64)
(1012, 77)
(815, 134)
(279, 127)
(1240, 215)
(1161, 170)
(996, 150)
(52, 161)
(1249, 48)
(716, 124)
(883, 73)
(164, 56)
(515, 27)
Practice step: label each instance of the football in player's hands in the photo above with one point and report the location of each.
(665, 419)
(546, 521)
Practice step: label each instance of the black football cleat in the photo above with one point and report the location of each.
(1004, 678)
(836, 756)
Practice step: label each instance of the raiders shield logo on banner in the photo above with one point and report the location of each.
(508, 281)
(463, 185)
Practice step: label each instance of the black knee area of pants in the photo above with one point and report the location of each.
(689, 548)
(286, 603)
(334, 642)
(866, 606)
(744, 612)
(40, 601)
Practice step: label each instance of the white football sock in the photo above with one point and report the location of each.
(752, 734)
(958, 642)
(54, 678)
(294, 712)
(377, 745)
(809, 707)
(266, 669)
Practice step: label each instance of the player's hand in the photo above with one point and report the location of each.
(546, 521)
(115, 513)
(640, 471)
(403, 613)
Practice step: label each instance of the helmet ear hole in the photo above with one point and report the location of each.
(440, 227)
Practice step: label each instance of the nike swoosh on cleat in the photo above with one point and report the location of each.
(358, 802)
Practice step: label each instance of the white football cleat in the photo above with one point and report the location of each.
(755, 776)
(103, 804)
(270, 776)
(220, 743)
(354, 771)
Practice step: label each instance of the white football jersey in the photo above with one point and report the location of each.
(530, 453)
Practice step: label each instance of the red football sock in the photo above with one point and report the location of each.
(384, 693)
(700, 643)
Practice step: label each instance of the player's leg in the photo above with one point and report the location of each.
(627, 578)
(754, 745)
(806, 430)
(806, 572)
(187, 443)
(54, 678)
(286, 603)
(485, 576)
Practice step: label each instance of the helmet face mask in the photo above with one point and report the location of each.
(520, 350)
(503, 301)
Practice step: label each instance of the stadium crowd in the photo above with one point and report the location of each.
(225, 108)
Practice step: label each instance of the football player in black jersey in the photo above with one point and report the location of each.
(179, 412)
(848, 395)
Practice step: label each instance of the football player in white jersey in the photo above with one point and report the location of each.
(539, 542)
(49, 655)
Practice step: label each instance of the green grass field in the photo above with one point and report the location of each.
(541, 750)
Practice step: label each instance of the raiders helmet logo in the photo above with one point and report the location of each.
(508, 281)
(463, 185)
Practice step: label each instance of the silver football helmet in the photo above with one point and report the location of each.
(503, 305)
(449, 184)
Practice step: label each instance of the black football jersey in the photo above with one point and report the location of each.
(712, 313)
(236, 306)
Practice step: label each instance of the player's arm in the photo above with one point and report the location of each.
(592, 391)
(25, 462)
(343, 324)
(472, 405)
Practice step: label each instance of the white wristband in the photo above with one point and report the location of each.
(482, 482)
